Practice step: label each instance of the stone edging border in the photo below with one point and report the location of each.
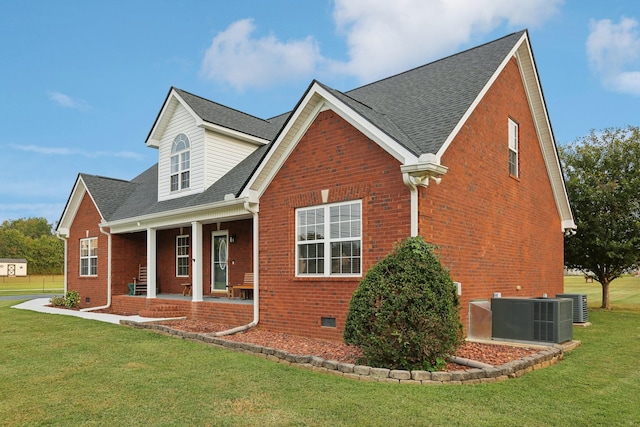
(513, 369)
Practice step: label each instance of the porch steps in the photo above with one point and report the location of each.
(162, 310)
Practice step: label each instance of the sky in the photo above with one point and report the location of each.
(83, 82)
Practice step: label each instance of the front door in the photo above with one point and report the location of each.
(220, 245)
(11, 271)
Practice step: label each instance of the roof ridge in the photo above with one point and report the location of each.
(105, 177)
(222, 105)
(435, 61)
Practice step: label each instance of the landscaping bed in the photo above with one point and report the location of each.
(492, 354)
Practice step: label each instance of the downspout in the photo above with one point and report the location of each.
(256, 287)
(413, 189)
(108, 274)
(65, 240)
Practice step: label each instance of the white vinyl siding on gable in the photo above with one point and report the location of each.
(181, 122)
(223, 154)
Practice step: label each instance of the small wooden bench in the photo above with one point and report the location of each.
(246, 288)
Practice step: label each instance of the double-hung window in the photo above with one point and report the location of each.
(89, 256)
(180, 163)
(513, 148)
(182, 256)
(329, 240)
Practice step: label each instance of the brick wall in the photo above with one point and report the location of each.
(331, 155)
(85, 224)
(496, 232)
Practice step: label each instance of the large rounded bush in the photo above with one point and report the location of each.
(404, 313)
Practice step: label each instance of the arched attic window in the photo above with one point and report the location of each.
(180, 162)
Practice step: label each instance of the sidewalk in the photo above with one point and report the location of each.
(40, 305)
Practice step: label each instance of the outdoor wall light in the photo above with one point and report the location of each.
(232, 238)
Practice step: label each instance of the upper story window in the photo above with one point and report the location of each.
(89, 256)
(180, 163)
(513, 148)
(329, 240)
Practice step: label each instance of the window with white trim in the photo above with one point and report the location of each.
(180, 163)
(89, 256)
(513, 148)
(329, 240)
(182, 256)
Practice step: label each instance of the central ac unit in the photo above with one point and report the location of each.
(532, 319)
(580, 314)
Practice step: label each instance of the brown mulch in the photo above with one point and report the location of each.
(492, 354)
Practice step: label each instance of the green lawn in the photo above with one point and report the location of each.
(31, 285)
(59, 370)
(624, 292)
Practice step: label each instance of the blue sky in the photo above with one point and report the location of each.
(82, 82)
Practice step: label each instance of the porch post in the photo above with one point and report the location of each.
(196, 253)
(151, 262)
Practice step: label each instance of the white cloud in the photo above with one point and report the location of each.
(236, 58)
(13, 211)
(66, 101)
(614, 53)
(382, 36)
(63, 151)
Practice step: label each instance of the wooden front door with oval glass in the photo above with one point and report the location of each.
(219, 267)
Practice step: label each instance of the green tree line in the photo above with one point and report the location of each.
(33, 240)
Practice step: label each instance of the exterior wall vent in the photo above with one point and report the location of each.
(328, 322)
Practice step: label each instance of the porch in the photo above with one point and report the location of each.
(214, 309)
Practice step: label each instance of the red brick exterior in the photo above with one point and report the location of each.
(331, 155)
(494, 231)
(85, 224)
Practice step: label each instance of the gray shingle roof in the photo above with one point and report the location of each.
(229, 118)
(429, 101)
(418, 108)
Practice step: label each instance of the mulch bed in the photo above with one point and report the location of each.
(492, 354)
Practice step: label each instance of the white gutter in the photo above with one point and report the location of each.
(64, 238)
(108, 273)
(256, 287)
(418, 174)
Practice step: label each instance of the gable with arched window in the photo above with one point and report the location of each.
(180, 163)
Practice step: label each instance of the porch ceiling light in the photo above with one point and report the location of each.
(427, 167)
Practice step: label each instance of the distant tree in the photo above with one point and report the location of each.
(30, 227)
(32, 239)
(602, 173)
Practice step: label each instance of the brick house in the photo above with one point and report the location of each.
(459, 151)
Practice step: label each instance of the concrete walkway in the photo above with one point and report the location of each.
(40, 305)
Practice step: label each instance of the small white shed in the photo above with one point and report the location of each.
(13, 267)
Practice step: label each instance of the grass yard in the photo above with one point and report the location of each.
(31, 285)
(624, 292)
(59, 370)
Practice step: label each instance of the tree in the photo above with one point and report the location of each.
(602, 174)
(32, 239)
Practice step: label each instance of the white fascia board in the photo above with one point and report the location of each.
(542, 124)
(75, 199)
(227, 210)
(233, 133)
(159, 126)
(316, 100)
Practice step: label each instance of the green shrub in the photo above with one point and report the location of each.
(404, 313)
(71, 299)
(57, 301)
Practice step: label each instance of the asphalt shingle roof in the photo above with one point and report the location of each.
(418, 108)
